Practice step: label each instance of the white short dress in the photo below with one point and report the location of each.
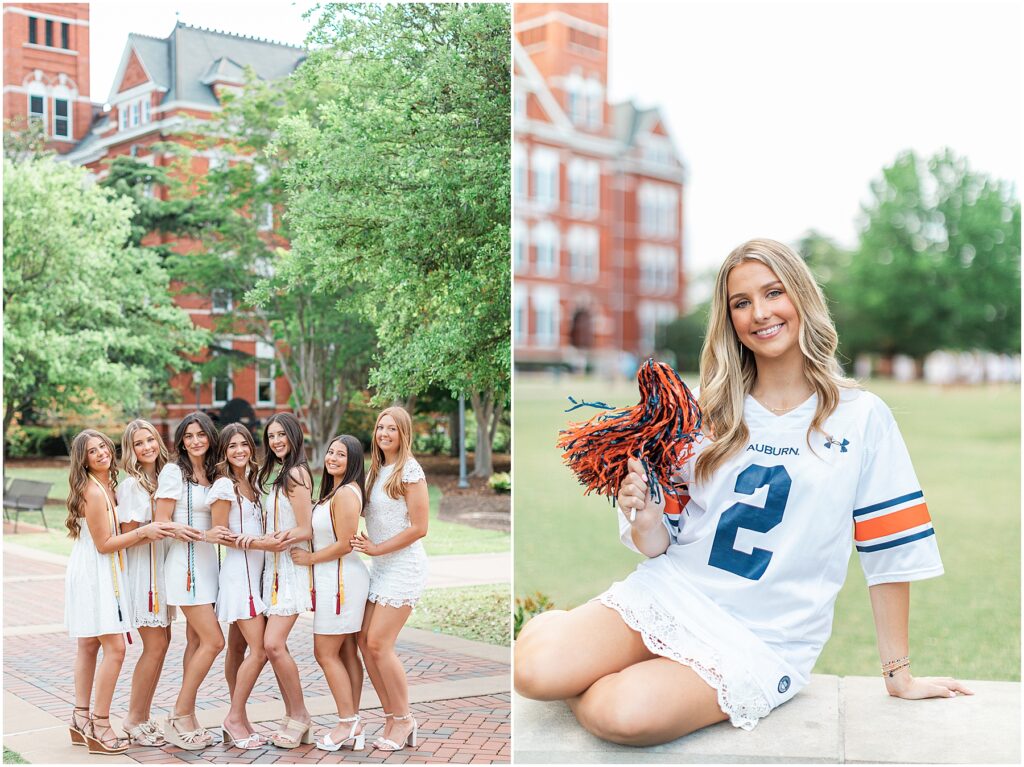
(340, 596)
(241, 571)
(91, 586)
(146, 584)
(396, 579)
(285, 584)
(190, 569)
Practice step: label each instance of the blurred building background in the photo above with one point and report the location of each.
(161, 85)
(598, 201)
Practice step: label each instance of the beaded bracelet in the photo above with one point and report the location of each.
(889, 669)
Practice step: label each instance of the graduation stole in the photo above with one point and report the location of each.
(116, 557)
(339, 597)
(273, 588)
(154, 592)
(190, 573)
(241, 528)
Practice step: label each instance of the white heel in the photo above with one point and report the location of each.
(358, 741)
(384, 744)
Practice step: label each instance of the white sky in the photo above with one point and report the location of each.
(110, 23)
(784, 112)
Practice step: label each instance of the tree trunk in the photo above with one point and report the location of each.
(453, 432)
(483, 408)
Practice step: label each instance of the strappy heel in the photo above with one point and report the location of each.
(385, 744)
(250, 741)
(381, 739)
(101, 746)
(78, 733)
(358, 741)
(284, 738)
(145, 734)
(193, 740)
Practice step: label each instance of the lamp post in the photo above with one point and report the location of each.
(197, 380)
(463, 482)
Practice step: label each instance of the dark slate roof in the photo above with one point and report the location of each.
(184, 62)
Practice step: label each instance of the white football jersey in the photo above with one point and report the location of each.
(768, 538)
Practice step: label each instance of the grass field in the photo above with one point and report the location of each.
(442, 537)
(965, 444)
(480, 613)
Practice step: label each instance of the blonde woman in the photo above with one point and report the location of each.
(235, 503)
(97, 606)
(728, 615)
(143, 456)
(397, 511)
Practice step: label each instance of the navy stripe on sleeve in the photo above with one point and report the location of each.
(898, 541)
(887, 504)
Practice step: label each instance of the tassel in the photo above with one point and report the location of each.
(252, 608)
(312, 596)
(660, 429)
(129, 635)
(151, 601)
(188, 580)
(337, 604)
(156, 603)
(273, 595)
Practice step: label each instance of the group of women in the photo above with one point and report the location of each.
(228, 539)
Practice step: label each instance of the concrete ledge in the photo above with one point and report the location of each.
(833, 720)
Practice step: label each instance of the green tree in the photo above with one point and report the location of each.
(938, 264)
(321, 343)
(399, 186)
(88, 319)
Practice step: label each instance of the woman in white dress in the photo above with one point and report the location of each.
(727, 616)
(396, 520)
(97, 608)
(286, 586)
(342, 583)
(235, 503)
(143, 456)
(191, 568)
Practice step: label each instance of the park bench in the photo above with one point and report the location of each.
(23, 495)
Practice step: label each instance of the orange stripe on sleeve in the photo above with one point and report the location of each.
(888, 524)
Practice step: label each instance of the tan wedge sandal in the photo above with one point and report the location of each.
(293, 734)
(107, 743)
(76, 730)
(193, 740)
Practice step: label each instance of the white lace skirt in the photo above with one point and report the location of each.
(398, 579)
(679, 624)
(293, 595)
(142, 580)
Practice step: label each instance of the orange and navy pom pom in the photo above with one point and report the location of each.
(660, 429)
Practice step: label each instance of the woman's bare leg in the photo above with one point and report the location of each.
(648, 703)
(559, 654)
(275, 642)
(146, 674)
(234, 656)
(371, 667)
(251, 632)
(327, 649)
(85, 670)
(353, 666)
(381, 635)
(108, 671)
(209, 642)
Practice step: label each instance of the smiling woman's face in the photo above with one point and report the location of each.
(763, 316)
(195, 440)
(336, 460)
(97, 455)
(146, 446)
(386, 435)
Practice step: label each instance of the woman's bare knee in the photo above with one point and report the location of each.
(538, 651)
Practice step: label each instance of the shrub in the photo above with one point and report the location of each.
(529, 607)
(500, 482)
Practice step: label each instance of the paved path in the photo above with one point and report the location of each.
(458, 689)
(833, 720)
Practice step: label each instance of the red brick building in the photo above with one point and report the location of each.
(598, 199)
(160, 83)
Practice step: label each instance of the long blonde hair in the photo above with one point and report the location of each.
(394, 487)
(728, 370)
(78, 480)
(130, 462)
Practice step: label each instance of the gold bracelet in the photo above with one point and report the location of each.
(887, 665)
(891, 672)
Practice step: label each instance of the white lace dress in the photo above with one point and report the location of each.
(292, 582)
(190, 569)
(90, 601)
(340, 597)
(146, 585)
(396, 579)
(241, 571)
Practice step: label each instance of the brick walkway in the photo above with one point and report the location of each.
(459, 690)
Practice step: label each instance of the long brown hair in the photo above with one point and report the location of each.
(182, 457)
(130, 462)
(728, 369)
(296, 457)
(78, 479)
(355, 470)
(394, 487)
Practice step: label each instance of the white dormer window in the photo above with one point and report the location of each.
(122, 117)
(575, 98)
(595, 103)
(133, 119)
(146, 110)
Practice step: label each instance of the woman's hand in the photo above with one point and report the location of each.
(245, 541)
(917, 688)
(185, 532)
(634, 498)
(364, 545)
(219, 534)
(277, 541)
(154, 531)
(301, 557)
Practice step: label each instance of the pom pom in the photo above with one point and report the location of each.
(660, 430)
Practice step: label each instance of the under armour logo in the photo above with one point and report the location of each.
(842, 445)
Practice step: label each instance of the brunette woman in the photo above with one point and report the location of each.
(396, 520)
(235, 503)
(342, 583)
(97, 607)
(286, 586)
(191, 568)
(143, 456)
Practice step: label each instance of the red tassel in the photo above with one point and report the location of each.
(151, 601)
(337, 603)
(128, 634)
(188, 580)
(252, 608)
(312, 594)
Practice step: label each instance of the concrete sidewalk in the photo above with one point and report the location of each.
(833, 720)
(458, 689)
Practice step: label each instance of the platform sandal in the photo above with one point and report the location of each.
(108, 744)
(78, 732)
(193, 740)
(293, 734)
(250, 741)
(358, 741)
(145, 734)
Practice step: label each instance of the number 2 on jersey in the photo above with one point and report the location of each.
(742, 515)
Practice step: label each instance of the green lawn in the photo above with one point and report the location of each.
(470, 612)
(965, 443)
(442, 537)
(12, 757)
